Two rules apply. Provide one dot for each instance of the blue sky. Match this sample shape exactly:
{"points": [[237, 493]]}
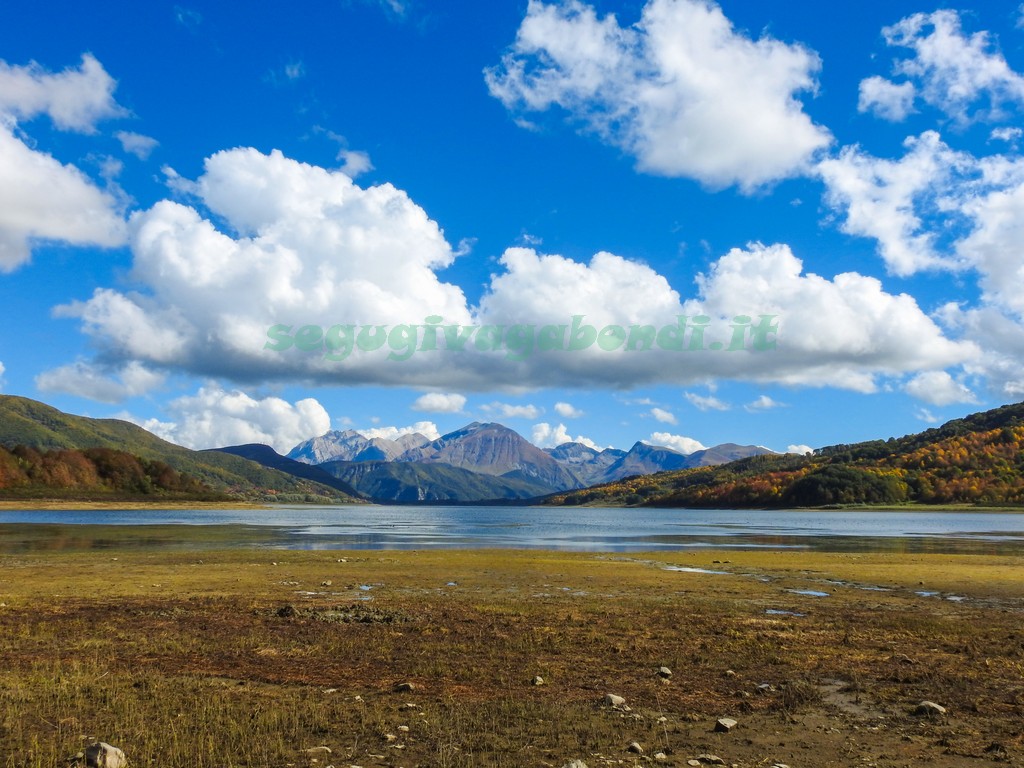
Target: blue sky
{"points": [[177, 179]]}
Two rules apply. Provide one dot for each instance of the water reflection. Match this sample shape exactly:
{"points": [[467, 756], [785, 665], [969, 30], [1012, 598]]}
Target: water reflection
{"points": [[591, 529]]}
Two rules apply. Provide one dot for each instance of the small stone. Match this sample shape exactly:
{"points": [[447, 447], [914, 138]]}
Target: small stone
{"points": [[101, 755], [664, 671], [780, 765], [390, 737], [404, 688], [326, 583], [635, 748], [710, 759], [330, 690], [725, 724], [660, 756], [613, 701], [730, 673], [538, 680], [695, 763], [403, 728], [575, 764], [318, 751], [929, 709]]}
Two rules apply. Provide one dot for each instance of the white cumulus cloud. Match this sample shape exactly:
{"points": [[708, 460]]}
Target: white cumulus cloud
{"points": [[567, 411], [310, 277], [762, 403], [888, 100], [801, 450], [682, 90], [955, 72], [545, 435], [939, 388], [511, 411], [426, 428], [75, 99], [137, 144], [665, 417], [309, 242], [706, 402], [41, 198], [842, 332], [685, 445], [440, 402], [107, 386], [354, 162], [888, 200], [215, 418]]}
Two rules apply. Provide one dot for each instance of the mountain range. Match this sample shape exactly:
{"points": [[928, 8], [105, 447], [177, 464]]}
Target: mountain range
{"points": [[486, 461], [976, 460], [479, 462]]}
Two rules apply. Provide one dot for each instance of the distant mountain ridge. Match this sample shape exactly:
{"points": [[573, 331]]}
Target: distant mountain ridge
{"points": [[516, 467], [349, 445]]}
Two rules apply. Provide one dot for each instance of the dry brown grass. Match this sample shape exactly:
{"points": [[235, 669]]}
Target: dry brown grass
{"points": [[187, 659]]}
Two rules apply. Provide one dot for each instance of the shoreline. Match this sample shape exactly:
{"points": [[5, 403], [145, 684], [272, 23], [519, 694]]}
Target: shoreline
{"points": [[58, 505], [52, 505]]}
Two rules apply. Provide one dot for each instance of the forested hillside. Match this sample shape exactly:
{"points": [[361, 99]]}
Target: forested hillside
{"points": [[975, 460]]}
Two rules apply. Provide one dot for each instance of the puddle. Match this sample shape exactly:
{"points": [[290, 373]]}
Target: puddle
{"points": [[956, 598], [838, 694], [777, 612], [809, 592], [684, 569], [927, 594]]}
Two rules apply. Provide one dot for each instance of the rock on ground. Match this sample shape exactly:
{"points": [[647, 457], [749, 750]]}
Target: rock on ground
{"points": [[929, 709], [725, 724], [102, 755]]}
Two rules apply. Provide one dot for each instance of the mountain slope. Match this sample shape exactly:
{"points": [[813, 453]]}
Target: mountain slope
{"points": [[975, 460], [415, 482], [94, 474], [268, 457], [349, 445], [493, 449], [42, 427], [589, 465]]}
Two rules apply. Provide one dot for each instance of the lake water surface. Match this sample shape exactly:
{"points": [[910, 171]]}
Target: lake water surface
{"points": [[464, 527]]}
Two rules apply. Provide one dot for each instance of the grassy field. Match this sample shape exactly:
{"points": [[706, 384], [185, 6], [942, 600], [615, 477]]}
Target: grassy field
{"points": [[252, 657]]}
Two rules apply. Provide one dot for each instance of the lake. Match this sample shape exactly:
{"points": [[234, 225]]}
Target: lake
{"points": [[559, 528]]}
